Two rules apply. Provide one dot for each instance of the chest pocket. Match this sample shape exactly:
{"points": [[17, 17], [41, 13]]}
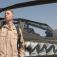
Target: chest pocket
{"points": [[3, 32], [14, 34]]}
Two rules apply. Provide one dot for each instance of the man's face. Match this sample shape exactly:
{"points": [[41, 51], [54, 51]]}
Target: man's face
{"points": [[8, 15]]}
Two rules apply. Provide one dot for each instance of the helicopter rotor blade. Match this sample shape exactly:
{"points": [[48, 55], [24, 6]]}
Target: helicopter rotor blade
{"points": [[30, 3]]}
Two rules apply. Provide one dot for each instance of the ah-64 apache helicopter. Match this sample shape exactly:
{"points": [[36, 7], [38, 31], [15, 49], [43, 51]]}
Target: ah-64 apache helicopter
{"points": [[42, 46]]}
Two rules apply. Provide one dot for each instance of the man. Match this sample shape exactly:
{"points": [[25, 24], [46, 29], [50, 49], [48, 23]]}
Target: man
{"points": [[9, 38]]}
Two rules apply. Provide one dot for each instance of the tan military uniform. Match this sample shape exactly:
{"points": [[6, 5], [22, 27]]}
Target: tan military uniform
{"points": [[8, 42]]}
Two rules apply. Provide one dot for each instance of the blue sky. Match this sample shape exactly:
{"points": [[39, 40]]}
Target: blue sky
{"points": [[41, 13]]}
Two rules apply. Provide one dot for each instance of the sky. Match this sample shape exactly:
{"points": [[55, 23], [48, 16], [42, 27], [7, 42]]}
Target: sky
{"points": [[41, 13]]}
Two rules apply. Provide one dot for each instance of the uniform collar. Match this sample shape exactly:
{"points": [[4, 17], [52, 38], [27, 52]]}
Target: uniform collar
{"points": [[12, 27]]}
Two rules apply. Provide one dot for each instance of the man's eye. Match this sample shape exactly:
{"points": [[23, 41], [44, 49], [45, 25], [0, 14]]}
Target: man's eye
{"points": [[8, 13]]}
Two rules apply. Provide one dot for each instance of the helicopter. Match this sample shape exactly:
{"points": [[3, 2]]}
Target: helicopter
{"points": [[43, 45]]}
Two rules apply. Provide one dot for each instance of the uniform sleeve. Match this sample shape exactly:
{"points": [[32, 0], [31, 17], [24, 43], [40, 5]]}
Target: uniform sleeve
{"points": [[21, 50]]}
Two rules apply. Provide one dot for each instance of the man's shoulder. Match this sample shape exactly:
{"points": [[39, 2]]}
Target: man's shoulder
{"points": [[3, 28]]}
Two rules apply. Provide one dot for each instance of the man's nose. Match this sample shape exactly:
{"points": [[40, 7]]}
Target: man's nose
{"points": [[5, 14]]}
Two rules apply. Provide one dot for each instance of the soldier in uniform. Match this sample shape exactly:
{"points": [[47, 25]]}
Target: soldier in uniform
{"points": [[9, 38]]}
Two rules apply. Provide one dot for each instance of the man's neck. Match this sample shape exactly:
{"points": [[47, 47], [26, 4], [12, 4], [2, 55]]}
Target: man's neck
{"points": [[9, 23]]}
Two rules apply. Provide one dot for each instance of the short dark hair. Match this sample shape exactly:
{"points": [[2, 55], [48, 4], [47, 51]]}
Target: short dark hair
{"points": [[9, 10]]}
